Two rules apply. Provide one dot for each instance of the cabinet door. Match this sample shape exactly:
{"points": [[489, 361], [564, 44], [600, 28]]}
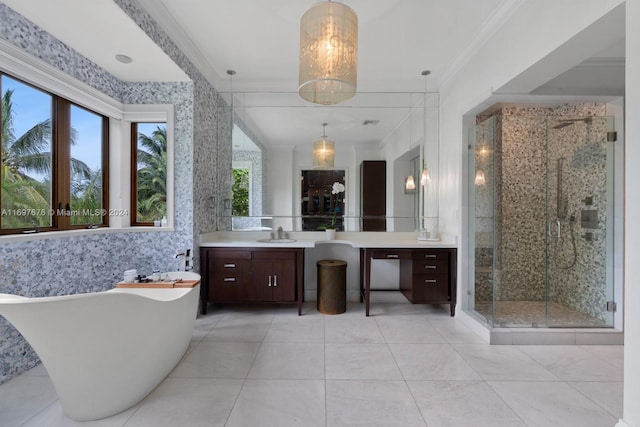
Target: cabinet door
{"points": [[373, 195], [284, 286], [261, 283], [273, 276]]}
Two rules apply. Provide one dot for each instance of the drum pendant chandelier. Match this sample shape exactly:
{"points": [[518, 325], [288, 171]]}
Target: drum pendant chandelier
{"points": [[323, 151], [328, 53]]}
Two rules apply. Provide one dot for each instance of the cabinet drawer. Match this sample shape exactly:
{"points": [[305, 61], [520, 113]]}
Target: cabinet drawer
{"points": [[223, 266], [434, 255], [391, 254], [229, 253], [229, 288], [430, 289], [431, 267]]}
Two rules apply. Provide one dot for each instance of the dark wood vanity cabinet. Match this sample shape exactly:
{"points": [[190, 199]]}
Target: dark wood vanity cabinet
{"points": [[428, 277], [248, 275], [373, 203]]}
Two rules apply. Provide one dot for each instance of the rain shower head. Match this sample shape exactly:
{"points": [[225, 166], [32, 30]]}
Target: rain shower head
{"points": [[568, 122]]}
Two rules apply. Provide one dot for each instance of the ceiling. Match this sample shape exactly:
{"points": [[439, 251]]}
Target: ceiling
{"points": [[398, 39]]}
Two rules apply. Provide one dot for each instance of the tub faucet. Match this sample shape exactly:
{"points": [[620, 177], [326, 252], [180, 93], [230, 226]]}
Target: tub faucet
{"points": [[187, 261], [181, 256]]}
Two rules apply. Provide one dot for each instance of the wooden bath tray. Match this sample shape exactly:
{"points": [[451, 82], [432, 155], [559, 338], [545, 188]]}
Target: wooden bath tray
{"points": [[170, 284]]}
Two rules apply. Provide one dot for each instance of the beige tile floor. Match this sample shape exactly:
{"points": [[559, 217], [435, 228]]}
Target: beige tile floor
{"points": [[406, 365]]}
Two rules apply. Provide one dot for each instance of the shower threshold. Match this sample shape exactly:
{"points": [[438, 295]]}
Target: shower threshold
{"points": [[533, 314], [523, 323]]}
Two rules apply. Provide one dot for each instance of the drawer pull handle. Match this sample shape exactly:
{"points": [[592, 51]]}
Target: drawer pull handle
{"points": [[229, 266], [269, 281], [430, 256], [393, 256], [429, 280], [275, 280], [432, 267], [229, 279]]}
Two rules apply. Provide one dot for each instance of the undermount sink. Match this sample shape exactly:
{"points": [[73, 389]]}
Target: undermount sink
{"points": [[276, 240]]}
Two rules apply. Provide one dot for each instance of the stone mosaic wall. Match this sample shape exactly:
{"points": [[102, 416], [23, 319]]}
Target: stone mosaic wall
{"points": [[516, 171], [60, 266], [211, 139]]}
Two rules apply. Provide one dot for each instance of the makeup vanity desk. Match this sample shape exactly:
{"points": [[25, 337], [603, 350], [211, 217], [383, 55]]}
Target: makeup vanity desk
{"points": [[427, 269]]}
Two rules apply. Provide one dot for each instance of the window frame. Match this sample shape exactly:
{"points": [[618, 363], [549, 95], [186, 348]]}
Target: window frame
{"points": [[16, 62], [246, 164], [60, 199], [133, 203], [149, 113]]}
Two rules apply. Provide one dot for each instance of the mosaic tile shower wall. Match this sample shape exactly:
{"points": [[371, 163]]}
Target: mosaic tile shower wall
{"points": [[512, 206]]}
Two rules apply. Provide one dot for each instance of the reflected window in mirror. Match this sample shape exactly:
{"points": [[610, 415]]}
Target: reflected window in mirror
{"points": [[247, 188], [240, 192]]}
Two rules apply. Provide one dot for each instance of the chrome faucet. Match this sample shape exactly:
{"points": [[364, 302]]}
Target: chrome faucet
{"points": [[184, 260], [280, 233]]}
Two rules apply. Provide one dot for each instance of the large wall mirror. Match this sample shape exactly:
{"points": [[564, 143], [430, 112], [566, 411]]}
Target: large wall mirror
{"points": [[271, 153]]}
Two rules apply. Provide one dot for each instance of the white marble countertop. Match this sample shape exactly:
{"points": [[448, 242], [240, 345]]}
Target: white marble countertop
{"points": [[310, 239]]}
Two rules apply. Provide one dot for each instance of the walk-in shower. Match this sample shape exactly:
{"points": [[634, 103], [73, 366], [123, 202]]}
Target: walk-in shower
{"points": [[541, 240]]}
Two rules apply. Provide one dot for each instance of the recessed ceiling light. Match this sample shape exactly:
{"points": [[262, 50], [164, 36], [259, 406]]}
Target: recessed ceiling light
{"points": [[124, 59]]}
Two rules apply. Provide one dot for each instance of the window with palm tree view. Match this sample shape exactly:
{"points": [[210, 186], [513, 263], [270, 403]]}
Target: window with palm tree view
{"points": [[149, 172], [53, 162]]}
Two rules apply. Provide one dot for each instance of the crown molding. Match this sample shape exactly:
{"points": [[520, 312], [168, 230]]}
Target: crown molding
{"points": [[159, 12], [489, 28]]}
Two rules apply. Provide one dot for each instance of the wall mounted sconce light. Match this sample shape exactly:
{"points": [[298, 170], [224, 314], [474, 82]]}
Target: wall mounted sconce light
{"points": [[425, 177], [323, 151], [409, 185], [328, 53]]}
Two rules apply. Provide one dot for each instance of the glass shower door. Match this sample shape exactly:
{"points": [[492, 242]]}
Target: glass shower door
{"points": [[482, 226], [579, 213]]}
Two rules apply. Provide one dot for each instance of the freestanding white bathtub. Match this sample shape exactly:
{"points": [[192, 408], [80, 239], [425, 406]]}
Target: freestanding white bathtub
{"points": [[106, 351]]}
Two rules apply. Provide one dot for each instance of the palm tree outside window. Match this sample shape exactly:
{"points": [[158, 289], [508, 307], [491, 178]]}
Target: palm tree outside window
{"points": [[149, 173], [53, 164]]}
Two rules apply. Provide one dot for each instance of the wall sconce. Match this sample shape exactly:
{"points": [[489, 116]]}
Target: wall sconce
{"points": [[480, 179], [409, 185], [328, 53], [323, 151], [425, 177]]}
